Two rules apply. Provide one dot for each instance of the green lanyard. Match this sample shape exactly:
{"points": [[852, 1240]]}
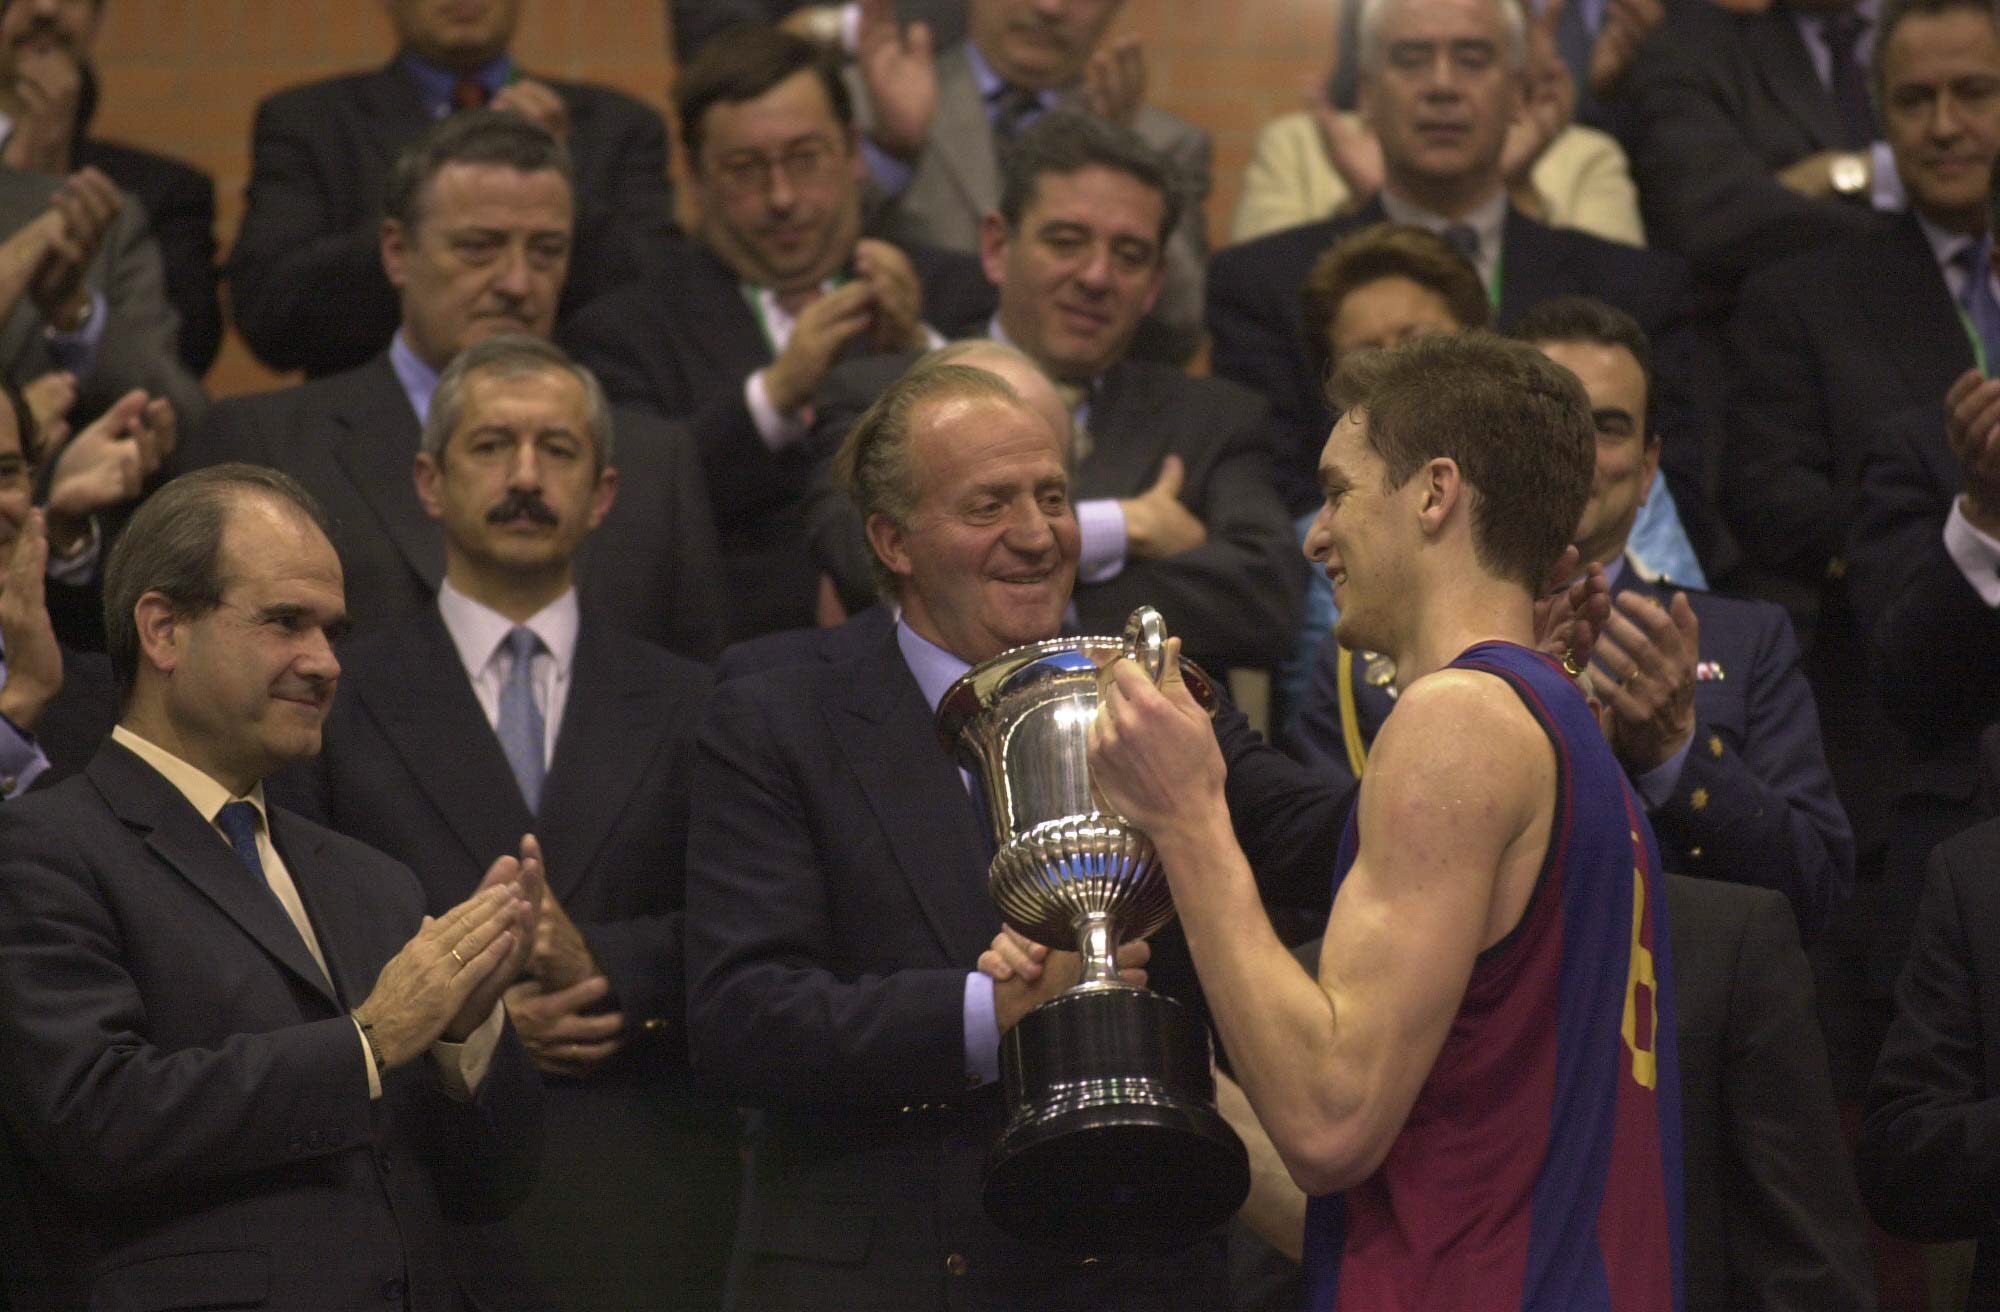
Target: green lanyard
{"points": [[1493, 291], [1972, 336]]}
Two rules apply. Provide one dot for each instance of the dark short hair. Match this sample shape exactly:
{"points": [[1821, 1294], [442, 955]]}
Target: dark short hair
{"points": [[472, 136], [513, 355], [1516, 423], [743, 62], [873, 465], [1587, 319], [1893, 14], [173, 546], [1388, 250], [1064, 141]]}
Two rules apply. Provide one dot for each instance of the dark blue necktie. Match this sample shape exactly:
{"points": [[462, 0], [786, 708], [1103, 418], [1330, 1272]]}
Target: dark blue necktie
{"points": [[1981, 307], [1847, 79], [239, 821]]}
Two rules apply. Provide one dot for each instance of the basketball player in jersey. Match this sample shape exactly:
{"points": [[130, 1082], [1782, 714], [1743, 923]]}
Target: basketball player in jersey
{"points": [[1480, 1089]]}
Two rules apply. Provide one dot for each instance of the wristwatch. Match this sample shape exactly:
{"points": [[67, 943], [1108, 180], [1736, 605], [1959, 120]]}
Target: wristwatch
{"points": [[1849, 174]]}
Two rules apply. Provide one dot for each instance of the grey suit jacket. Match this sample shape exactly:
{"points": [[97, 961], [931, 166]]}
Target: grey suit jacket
{"points": [[140, 346], [957, 184], [351, 440]]}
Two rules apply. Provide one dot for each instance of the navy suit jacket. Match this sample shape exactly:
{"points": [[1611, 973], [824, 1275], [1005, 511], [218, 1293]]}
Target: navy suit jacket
{"points": [[836, 900], [1825, 348], [1754, 803], [637, 1195], [682, 343], [186, 1098], [1258, 328], [352, 440], [1725, 100], [306, 284]]}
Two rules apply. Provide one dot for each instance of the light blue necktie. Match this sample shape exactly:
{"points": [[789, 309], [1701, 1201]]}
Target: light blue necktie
{"points": [[522, 734]]}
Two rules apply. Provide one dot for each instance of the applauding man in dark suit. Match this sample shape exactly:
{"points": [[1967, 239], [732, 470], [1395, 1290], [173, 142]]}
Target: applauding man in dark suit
{"points": [[509, 705], [239, 1064], [736, 330], [305, 286]]}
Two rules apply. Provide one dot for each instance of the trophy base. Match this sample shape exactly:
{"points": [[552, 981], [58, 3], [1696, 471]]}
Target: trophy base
{"points": [[1113, 1143]]}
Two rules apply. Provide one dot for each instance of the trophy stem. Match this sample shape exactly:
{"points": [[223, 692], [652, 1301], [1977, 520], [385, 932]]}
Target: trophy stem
{"points": [[1098, 946]]}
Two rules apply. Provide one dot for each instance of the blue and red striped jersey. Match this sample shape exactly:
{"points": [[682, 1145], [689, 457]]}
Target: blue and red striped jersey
{"points": [[1540, 1167]]}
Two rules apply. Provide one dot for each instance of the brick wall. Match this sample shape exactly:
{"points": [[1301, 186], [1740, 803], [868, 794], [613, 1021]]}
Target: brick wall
{"points": [[184, 76]]}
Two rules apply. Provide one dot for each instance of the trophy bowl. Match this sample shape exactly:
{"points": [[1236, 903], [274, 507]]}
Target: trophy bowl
{"points": [[1112, 1141]]}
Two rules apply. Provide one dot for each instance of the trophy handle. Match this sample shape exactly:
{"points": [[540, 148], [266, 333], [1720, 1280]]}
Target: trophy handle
{"points": [[1146, 641]]}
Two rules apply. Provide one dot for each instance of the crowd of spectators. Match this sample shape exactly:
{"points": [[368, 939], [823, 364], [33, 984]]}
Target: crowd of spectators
{"points": [[632, 555]]}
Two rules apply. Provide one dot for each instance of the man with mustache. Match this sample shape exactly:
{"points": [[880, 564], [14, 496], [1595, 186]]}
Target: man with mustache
{"points": [[477, 242], [240, 1064], [48, 97], [513, 703]]}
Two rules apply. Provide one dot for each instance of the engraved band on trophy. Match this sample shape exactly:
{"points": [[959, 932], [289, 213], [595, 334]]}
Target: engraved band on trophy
{"points": [[1112, 1140]]}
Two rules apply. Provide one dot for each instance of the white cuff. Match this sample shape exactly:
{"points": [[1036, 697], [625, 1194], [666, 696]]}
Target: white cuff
{"points": [[1976, 554], [777, 431], [462, 1066]]}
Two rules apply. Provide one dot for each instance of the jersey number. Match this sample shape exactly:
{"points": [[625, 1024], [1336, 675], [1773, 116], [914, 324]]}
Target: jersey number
{"points": [[1639, 974]]}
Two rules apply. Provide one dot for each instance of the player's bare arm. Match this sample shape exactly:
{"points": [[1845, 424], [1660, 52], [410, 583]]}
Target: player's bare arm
{"points": [[1454, 816]]}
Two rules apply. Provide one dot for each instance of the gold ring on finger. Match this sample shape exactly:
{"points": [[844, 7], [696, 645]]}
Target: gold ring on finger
{"points": [[1571, 665], [460, 960]]}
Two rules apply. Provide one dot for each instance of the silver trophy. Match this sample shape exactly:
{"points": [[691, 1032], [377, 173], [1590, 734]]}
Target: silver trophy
{"points": [[1112, 1140]]}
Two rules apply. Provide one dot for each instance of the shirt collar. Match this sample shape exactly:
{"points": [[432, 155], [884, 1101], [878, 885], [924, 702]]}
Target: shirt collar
{"points": [[477, 630], [203, 792], [419, 380], [990, 83], [935, 668], [1488, 219], [434, 84]]}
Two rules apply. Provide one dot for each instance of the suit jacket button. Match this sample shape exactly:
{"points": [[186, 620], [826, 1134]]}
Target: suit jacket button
{"points": [[392, 1290], [956, 1264], [296, 1146], [7, 782], [385, 1160]]}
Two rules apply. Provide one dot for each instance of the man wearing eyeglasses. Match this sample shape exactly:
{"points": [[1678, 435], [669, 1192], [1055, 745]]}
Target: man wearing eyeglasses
{"points": [[735, 330]]}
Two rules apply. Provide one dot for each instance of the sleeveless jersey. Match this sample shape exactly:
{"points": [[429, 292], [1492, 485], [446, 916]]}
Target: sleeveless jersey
{"points": [[1540, 1167]]}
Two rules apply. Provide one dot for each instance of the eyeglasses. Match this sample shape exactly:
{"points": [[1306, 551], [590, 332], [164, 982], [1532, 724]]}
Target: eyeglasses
{"points": [[808, 164]]}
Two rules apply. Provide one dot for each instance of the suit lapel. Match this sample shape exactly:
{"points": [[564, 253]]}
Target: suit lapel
{"points": [[336, 917], [375, 449], [716, 323], [175, 833], [426, 708], [1782, 61], [612, 725], [1911, 304], [884, 729], [1127, 440], [971, 161]]}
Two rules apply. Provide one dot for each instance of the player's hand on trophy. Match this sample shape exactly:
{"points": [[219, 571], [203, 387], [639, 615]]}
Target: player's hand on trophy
{"points": [[1026, 974], [1153, 753]]}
